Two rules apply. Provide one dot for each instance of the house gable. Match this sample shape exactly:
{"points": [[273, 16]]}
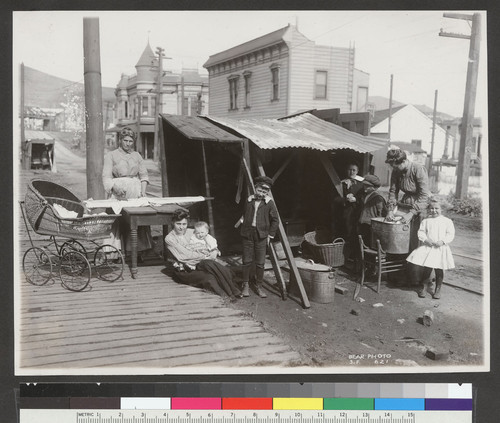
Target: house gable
{"points": [[408, 124]]}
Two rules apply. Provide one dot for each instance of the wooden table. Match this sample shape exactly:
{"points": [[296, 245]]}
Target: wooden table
{"points": [[145, 216]]}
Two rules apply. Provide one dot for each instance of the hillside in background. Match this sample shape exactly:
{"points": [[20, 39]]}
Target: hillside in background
{"points": [[48, 91], [382, 103]]}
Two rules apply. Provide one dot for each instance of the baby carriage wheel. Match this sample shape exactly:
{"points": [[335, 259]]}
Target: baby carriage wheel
{"points": [[74, 271], [72, 245], [108, 263], [37, 266]]}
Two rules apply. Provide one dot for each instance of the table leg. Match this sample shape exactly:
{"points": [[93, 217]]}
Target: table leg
{"points": [[133, 246]]}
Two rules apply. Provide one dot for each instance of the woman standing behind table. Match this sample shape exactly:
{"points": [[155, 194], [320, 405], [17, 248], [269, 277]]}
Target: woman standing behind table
{"points": [[197, 268], [411, 179], [124, 176]]}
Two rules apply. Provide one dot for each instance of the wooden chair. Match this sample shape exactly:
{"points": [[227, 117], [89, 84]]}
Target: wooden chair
{"points": [[378, 260]]}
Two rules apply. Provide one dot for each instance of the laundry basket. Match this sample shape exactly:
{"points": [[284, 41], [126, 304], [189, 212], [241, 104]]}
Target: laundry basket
{"points": [[324, 251]]}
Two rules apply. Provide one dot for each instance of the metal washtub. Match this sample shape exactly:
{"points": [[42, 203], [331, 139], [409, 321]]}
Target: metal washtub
{"points": [[394, 237]]}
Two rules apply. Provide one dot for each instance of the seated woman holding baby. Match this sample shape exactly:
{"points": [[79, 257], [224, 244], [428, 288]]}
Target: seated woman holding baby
{"points": [[195, 252]]}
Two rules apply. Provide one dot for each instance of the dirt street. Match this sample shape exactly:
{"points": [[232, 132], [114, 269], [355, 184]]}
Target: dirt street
{"points": [[385, 329]]}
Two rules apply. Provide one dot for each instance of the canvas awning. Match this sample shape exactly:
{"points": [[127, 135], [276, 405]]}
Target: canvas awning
{"points": [[197, 128], [302, 131]]}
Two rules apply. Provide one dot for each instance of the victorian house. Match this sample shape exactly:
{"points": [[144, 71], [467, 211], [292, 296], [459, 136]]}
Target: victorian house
{"points": [[184, 93]]}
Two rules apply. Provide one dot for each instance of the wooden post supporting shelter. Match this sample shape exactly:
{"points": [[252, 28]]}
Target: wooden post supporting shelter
{"points": [[208, 195], [286, 247], [273, 255], [163, 159], [332, 173], [93, 108], [163, 172]]}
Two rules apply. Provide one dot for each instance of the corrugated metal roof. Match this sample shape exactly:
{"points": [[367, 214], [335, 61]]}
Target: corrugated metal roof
{"points": [[248, 47], [37, 135], [196, 128], [303, 131]]}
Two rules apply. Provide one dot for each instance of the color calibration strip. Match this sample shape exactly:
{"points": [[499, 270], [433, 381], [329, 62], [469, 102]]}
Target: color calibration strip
{"points": [[294, 397], [297, 404]]}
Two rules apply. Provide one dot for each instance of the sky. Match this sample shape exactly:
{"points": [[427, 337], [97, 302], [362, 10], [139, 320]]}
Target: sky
{"points": [[405, 44]]}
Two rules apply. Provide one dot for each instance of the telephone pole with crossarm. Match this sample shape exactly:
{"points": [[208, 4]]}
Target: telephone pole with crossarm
{"points": [[464, 153]]}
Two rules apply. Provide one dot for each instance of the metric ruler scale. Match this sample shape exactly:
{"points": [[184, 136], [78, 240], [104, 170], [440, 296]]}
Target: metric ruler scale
{"points": [[243, 416]]}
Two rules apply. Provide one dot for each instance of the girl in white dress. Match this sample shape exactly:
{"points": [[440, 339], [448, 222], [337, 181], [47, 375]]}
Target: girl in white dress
{"points": [[434, 234]]}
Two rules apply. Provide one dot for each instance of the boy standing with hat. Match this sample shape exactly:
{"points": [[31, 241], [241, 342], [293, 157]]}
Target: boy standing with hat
{"points": [[259, 224]]}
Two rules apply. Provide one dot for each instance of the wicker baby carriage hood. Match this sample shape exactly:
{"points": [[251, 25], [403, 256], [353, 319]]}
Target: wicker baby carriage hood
{"points": [[42, 195]]}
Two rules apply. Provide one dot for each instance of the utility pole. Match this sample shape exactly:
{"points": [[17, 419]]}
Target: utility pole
{"points": [[465, 148], [93, 108], [431, 158], [390, 111], [156, 153]]}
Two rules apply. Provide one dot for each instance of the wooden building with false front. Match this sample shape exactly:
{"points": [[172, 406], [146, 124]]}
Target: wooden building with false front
{"points": [[282, 73]]}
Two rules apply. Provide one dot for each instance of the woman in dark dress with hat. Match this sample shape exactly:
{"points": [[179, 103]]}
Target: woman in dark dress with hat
{"points": [[411, 179]]}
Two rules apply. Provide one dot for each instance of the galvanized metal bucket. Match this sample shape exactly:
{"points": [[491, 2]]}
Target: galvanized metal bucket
{"points": [[318, 280]]}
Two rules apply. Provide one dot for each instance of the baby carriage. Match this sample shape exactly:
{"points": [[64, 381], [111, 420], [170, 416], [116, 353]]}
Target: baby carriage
{"points": [[54, 210]]}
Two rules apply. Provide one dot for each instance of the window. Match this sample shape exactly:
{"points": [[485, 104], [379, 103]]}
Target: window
{"points": [[246, 76], [145, 106], [153, 107], [125, 109], [320, 84], [275, 82], [362, 99], [418, 143], [233, 92], [185, 107]]}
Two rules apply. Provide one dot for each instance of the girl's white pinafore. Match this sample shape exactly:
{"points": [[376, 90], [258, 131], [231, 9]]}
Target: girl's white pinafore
{"points": [[434, 229]]}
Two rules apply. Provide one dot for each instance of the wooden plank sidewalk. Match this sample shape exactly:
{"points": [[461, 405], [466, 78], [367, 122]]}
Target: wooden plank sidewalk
{"points": [[150, 324], [147, 323]]}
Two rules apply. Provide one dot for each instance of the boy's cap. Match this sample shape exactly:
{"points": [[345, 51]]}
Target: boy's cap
{"points": [[264, 181], [372, 180]]}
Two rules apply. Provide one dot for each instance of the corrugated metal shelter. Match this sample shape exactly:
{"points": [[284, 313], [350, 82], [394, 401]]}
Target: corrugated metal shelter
{"points": [[304, 155], [301, 131]]}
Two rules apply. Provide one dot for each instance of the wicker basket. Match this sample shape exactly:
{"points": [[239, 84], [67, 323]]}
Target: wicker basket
{"points": [[329, 253], [44, 219]]}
